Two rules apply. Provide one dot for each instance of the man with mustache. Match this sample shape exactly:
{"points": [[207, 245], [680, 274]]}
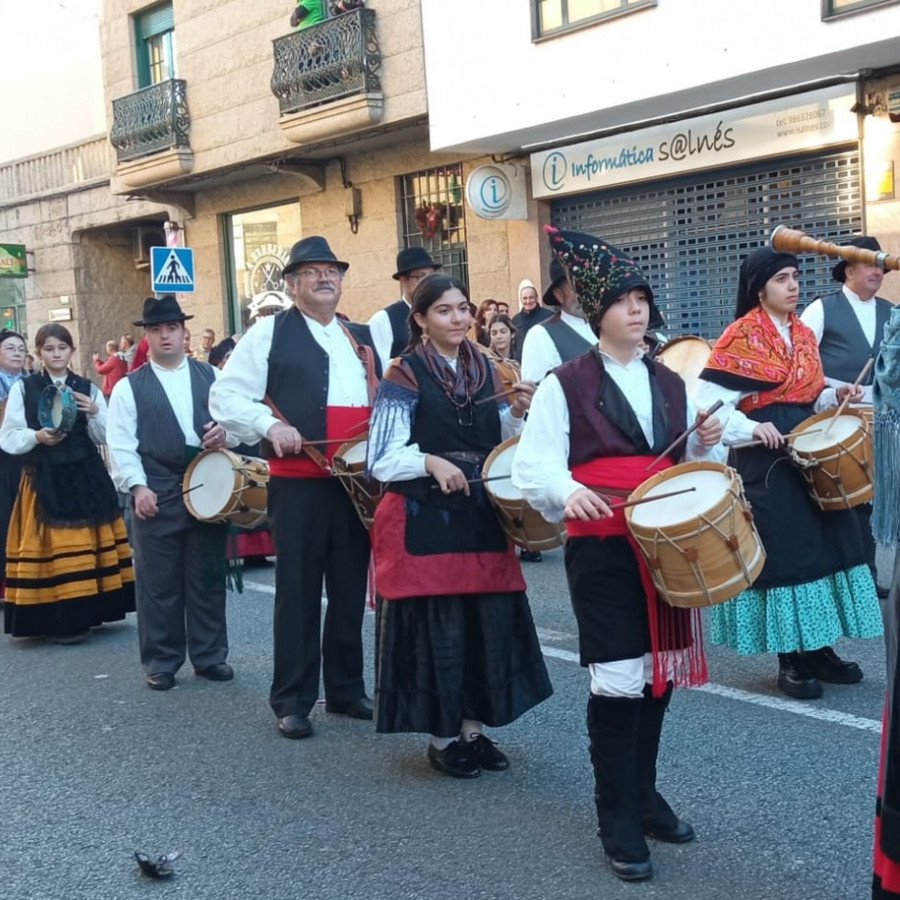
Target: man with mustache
{"points": [[299, 377]]}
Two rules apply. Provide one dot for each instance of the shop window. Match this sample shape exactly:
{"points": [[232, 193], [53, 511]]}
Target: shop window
{"points": [[555, 16], [833, 8], [154, 31], [433, 217], [258, 244]]}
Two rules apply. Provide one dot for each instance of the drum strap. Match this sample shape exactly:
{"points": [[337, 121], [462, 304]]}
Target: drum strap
{"points": [[306, 448], [367, 358]]}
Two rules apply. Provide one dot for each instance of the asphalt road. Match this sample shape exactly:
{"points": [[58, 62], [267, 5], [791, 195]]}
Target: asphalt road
{"points": [[96, 766]]}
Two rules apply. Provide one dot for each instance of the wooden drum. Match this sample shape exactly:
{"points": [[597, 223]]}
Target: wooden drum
{"points": [[835, 457], [702, 547], [349, 464], [224, 487]]}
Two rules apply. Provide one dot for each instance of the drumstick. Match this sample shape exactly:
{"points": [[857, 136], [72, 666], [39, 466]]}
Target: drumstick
{"points": [[497, 396], [862, 374], [176, 496], [479, 480], [626, 503], [788, 437], [714, 408]]}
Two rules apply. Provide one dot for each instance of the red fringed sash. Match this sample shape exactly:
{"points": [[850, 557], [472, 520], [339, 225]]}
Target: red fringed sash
{"points": [[752, 348], [668, 625]]}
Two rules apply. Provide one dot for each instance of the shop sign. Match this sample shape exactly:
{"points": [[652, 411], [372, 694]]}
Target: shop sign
{"points": [[12, 261], [775, 128], [497, 192]]}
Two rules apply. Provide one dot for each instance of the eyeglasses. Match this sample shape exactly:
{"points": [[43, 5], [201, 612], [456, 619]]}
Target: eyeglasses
{"points": [[330, 273]]}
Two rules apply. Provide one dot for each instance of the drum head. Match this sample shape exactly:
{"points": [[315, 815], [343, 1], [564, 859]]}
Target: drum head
{"points": [[710, 486], [838, 430], [686, 355], [211, 484], [355, 454], [501, 465]]}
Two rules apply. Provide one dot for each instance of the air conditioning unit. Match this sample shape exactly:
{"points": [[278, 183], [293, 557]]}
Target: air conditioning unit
{"points": [[143, 238]]}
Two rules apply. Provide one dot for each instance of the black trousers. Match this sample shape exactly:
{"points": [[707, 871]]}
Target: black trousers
{"points": [[319, 540]]}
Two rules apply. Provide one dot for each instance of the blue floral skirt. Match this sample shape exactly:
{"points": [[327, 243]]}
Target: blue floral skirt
{"points": [[799, 617]]}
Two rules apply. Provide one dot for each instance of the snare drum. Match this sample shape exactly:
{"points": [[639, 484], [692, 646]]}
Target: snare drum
{"points": [[701, 547], [225, 487], [523, 524], [349, 464], [835, 457], [686, 355]]}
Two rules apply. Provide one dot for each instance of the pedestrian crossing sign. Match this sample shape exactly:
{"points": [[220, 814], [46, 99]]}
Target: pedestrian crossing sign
{"points": [[173, 270]]}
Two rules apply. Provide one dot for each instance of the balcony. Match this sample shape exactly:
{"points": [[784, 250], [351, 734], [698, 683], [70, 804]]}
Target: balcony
{"points": [[326, 78], [150, 134]]}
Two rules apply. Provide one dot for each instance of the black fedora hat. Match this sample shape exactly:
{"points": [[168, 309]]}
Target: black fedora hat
{"points": [[313, 249], [838, 273], [410, 258], [161, 309], [557, 277]]}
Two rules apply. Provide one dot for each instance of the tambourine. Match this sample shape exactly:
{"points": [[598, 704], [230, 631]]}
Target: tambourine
{"points": [[57, 408]]}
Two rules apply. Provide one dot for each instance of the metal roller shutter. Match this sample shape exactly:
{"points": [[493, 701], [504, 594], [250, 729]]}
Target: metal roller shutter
{"points": [[691, 233]]}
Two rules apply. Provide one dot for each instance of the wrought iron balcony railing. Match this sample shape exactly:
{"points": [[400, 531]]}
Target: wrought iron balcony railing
{"points": [[338, 58], [152, 119]]}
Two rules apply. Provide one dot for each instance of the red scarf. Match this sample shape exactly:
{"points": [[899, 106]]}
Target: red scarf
{"points": [[752, 349]]}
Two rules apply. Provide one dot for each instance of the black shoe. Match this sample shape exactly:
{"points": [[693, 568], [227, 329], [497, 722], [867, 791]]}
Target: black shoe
{"points": [[530, 555], [681, 833], [631, 871], [486, 754], [295, 727], [456, 760], [216, 672], [827, 666], [795, 679], [360, 708], [880, 591], [161, 681]]}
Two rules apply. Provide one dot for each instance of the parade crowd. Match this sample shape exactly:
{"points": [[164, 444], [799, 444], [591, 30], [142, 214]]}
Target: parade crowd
{"points": [[427, 391]]}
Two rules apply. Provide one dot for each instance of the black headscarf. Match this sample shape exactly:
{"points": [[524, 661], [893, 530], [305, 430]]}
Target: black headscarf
{"points": [[756, 269]]}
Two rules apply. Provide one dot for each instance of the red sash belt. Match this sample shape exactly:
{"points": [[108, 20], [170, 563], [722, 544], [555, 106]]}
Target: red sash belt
{"points": [[341, 422], [619, 475]]}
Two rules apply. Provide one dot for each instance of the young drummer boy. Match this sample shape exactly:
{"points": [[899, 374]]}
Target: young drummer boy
{"points": [[595, 425]]}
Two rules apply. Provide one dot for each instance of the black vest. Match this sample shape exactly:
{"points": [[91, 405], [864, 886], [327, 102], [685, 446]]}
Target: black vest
{"points": [[161, 442], [70, 479], [568, 342], [298, 372], [844, 348], [601, 420], [398, 316], [451, 523]]}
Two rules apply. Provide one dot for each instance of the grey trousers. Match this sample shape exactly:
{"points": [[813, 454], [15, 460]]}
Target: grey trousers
{"points": [[180, 591]]}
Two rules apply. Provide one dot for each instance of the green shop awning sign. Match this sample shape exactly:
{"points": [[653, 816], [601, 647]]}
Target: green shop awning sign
{"points": [[12, 261]]}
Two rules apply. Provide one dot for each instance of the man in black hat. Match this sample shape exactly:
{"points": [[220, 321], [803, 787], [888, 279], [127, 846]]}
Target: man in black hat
{"points": [[297, 378], [604, 418], [158, 421], [849, 325], [558, 339], [390, 326]]}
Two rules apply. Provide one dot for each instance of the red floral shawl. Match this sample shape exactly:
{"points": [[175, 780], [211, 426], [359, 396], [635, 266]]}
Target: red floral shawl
{"points": [[752, 356]]}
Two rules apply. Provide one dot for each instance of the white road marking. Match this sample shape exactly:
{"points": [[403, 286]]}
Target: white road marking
{"points": [[848, 720]]}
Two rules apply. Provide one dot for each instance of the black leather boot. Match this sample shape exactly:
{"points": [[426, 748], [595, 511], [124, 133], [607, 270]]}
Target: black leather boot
{"points": [[795, 679], [613, 725], [657, 817], [826, 665]]}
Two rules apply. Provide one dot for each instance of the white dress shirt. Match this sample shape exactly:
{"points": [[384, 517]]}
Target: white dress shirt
{"points": [[127, 468], [738, 428], [539, 353], [236, 399], [383, 334], [866, 312], [541, 465], [402, 461], [15, 435]]}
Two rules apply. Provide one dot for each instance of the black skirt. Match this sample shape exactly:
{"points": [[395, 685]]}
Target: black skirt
{"points": [[440, 660]]}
